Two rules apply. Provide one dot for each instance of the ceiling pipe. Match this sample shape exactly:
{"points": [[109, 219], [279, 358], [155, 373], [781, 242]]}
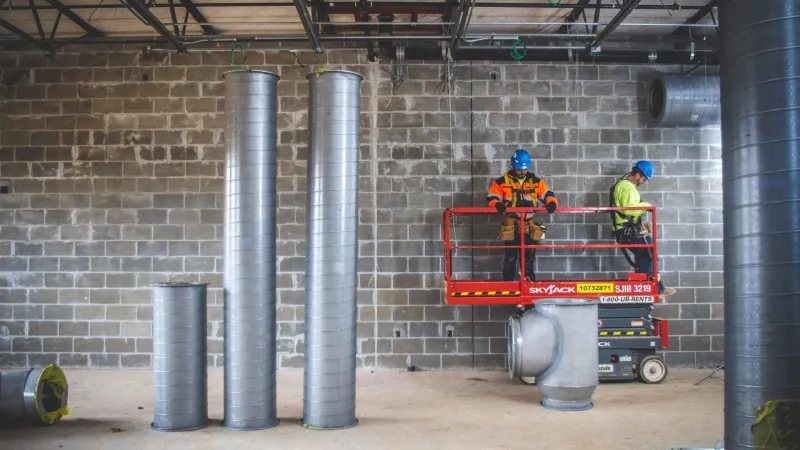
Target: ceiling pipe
{"points": [[759, 71]]}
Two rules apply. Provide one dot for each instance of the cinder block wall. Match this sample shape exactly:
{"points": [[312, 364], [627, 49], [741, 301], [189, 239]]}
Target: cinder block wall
{"points": [[115, 161]]}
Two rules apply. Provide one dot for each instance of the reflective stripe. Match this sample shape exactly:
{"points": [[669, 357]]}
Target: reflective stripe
{"points": [[487, 293]]}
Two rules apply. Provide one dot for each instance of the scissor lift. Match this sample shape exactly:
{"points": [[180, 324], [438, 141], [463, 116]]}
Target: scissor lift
{"points": [[628, 336]]}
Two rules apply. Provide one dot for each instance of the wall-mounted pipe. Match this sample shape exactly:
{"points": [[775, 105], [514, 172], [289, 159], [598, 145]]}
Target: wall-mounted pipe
{"points": [[759, 72], [557, 343], [684, 101], [180, 374], [249, 256], [332, 250], [33, 396]]}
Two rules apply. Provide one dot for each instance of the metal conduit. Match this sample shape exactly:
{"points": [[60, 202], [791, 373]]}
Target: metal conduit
{"points": [[249, 257], [180, 368], [760, 85], [332, 250], [684, 101]]}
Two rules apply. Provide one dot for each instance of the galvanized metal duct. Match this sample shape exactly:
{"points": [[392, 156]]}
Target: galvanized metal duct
{"points": [[180, 374], [332, 249], [249, 256], [759, 70], [33, 396], [557, 343], [684, 101]]}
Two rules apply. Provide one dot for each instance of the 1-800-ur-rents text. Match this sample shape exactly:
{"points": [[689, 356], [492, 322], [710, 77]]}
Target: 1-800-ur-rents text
{"points": [[554, 289]]}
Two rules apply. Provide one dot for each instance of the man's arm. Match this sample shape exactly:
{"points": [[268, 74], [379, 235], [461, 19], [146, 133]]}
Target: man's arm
{"points": [[546, 196], [495, 195]]}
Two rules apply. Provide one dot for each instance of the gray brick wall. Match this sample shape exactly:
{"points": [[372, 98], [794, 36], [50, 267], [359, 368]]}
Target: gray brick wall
{"points": [[115, 161]]}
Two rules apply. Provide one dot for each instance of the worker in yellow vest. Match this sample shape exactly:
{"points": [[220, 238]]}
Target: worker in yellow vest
{"points": [[519, 188], [627, 226]]}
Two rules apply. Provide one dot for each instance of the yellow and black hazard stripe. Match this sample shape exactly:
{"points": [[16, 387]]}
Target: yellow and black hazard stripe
{"points": [[624, 333], [485, 294]]}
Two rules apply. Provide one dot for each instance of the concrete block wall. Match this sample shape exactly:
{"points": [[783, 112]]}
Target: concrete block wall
{"points": [[115, 163]]}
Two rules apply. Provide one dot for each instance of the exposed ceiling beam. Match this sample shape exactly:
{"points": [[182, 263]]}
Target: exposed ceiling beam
{"points": [[25, 36], [302, 11], [76, 19], [623, 13], [198, 17], [573, 15], [696, 17], [139, 8]]}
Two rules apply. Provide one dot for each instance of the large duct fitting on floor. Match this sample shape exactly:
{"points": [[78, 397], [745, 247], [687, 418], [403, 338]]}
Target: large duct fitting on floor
{"points": [[329, 396], [249, 255], [180, 367], [684, 101], [33, 396], [759, 71], [557, 343]]}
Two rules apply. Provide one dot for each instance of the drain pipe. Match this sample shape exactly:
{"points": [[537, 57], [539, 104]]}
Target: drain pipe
{"points": [[329, 396], [557, 343], [249, 259], [759, 74]]}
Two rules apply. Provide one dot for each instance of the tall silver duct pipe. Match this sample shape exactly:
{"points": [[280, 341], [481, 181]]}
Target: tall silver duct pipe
{"points": [[180, 367], [329, 395], [557, 343], [684, 101], [760, 74], [33, 396], [249, 273]]}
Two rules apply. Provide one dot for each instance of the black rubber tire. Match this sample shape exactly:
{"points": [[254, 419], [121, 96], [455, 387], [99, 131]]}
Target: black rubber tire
{"points": [[651, 370]]}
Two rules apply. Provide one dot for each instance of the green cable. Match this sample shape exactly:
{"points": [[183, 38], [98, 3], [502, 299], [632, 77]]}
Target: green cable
{"points": [[554, 2], [515, 51], [233, 55]]}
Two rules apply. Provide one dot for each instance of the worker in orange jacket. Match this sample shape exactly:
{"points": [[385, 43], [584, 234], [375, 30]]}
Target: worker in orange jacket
{"points": [[519, 188]]}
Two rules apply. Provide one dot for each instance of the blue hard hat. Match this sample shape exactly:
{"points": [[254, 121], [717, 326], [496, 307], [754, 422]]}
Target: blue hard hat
{"points": [[521, 160], [646, 167]]}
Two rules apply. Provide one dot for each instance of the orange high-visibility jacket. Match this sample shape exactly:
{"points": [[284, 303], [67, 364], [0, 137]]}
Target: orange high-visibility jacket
{"points": [[509, 190]]}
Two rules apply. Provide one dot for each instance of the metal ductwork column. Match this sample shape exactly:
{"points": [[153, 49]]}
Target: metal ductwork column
{"points": [[33, 396], [180, 366], [249, 258], [684, 101], [329, 395], [557, 343], [760, 83]]}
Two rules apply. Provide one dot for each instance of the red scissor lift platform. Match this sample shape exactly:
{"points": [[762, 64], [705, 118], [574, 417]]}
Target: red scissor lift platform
{"points": [[628, 335]]}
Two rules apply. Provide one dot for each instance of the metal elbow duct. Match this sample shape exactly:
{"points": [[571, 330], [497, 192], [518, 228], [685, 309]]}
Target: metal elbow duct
{"points": [[759, 71], [249, 256], [557, 343], [684, 101], [332, 250]]}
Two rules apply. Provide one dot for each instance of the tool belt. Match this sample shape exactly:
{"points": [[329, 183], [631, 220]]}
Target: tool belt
{"points": [[508, 229]]}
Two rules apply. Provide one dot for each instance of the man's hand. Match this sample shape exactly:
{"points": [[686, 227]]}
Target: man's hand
{"points": [[551, 207], [500, 207]]}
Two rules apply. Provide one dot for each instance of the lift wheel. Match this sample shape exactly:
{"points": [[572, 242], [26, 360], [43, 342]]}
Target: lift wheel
{"points": [[652, 369]]}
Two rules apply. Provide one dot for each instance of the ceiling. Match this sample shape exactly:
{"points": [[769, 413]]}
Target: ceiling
{"points": [[424, 25]]}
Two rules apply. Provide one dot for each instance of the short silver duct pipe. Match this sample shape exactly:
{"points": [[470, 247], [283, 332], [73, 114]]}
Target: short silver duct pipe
{"points": [[180, 365], [332, 250], [557, 343], [760, 82], [249, 249], [684, 101], [33, 396]]}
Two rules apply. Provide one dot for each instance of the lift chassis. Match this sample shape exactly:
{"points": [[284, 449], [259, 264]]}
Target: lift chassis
{"points": [[628, 336]]}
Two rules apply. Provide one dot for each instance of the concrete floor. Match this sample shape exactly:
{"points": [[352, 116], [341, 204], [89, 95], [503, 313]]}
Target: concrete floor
{"points": [[420, 410]]}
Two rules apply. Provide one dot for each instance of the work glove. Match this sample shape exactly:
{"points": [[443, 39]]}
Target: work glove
{"points": [[500, 207], [551, 207]]}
